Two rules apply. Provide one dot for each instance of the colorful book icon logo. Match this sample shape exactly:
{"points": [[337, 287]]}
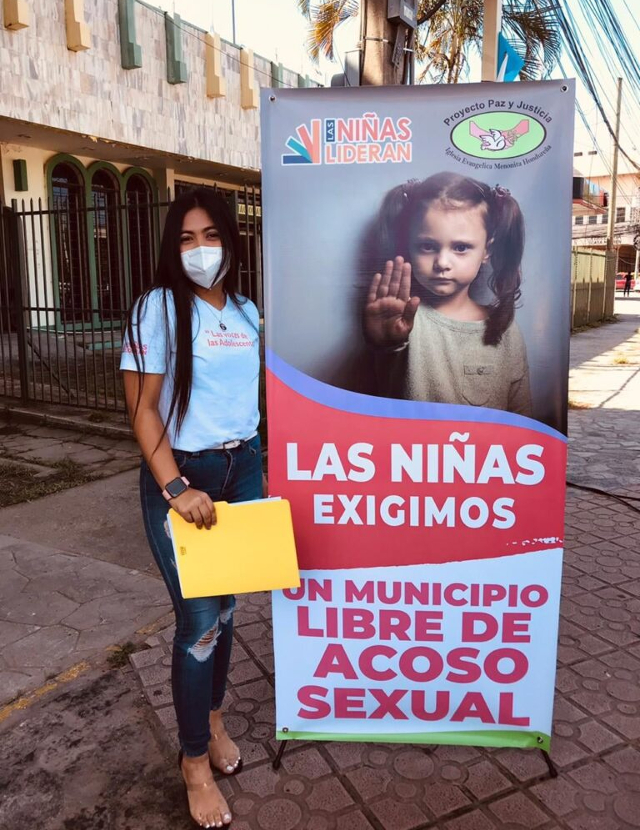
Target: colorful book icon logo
{"points": [[306, 145]]}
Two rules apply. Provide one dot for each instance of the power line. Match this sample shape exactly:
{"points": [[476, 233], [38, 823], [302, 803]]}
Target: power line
{"points": [[575, 43]]}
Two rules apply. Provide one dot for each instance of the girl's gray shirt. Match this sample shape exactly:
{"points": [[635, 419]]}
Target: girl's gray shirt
{"points": [[447, 362]]}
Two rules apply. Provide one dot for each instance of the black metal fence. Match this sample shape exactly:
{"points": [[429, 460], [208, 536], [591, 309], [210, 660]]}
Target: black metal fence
{"points": [[68, 274]]}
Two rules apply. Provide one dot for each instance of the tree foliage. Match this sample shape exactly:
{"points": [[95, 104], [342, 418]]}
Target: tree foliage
{"points": [[449, 31]]}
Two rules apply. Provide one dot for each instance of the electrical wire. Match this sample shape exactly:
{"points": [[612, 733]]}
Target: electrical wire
{"points": [[605, 30], [622, 499]]}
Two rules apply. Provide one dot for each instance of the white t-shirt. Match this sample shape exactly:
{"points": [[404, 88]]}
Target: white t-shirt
{"points": [[226, 366]]}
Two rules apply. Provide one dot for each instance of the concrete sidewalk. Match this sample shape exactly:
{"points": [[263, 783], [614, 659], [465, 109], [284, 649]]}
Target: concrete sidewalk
{"points": [[77, 576], [96, 752]]}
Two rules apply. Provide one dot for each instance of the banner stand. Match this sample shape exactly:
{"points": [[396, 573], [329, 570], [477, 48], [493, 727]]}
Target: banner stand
{"points": [[553, 770], [416, 376]]}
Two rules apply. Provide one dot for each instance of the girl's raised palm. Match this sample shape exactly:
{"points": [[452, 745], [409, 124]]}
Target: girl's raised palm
{"points": [[390, 310]]}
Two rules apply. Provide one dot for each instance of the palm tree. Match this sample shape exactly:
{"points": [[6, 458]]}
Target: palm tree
{"points": [[448, 31]]}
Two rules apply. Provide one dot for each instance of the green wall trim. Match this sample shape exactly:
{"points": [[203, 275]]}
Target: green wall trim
{"points": [[481, 737], [277, 75], [86, 175], [20, 177], [130, 50], [176, 67]]}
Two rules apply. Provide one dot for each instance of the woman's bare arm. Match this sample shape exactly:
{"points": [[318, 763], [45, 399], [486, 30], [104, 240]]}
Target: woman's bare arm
{"points": [[142, 394]]}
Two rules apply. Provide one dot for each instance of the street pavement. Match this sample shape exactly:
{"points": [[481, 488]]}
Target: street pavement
{"points": [[95, 747]]}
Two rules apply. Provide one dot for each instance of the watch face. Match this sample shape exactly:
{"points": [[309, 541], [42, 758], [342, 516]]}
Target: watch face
{"points": [[175, 487]]}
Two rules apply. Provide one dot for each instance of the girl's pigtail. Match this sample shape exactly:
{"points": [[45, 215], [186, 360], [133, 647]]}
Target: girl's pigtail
{"points": [[507, 247], [392, 227]]}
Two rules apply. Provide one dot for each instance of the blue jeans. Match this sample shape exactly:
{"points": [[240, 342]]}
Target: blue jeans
{"points": [[204, 627]]}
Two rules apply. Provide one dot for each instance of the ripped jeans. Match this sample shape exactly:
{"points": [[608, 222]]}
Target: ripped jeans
{"points": [[204, 627]]}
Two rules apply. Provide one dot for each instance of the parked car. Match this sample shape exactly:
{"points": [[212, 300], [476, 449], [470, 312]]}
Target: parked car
{"points": [[620, 280]]}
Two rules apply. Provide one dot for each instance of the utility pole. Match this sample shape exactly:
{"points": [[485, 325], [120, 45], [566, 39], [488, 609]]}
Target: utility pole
{"points": [[614, 174], [380, 39], [233, 20], [387, 44], [491, 25]]}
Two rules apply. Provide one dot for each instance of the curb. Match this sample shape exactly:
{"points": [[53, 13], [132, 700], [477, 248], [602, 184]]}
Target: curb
{"points": [[27, 416]]}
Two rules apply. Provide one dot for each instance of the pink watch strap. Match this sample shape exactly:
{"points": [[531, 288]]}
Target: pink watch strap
{"points": [[167, 495]]}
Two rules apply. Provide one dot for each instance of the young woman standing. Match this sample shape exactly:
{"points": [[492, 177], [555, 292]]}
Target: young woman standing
{"points": [[191, 372]]}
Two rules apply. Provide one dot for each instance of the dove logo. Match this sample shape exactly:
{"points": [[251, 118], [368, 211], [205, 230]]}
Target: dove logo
{"points": [[498, 135]]}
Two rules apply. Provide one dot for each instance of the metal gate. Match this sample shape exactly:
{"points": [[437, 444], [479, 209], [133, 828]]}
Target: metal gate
{"points": [[69, 273]]}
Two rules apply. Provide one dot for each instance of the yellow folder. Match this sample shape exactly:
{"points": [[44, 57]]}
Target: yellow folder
{"points": [[250, 548]]}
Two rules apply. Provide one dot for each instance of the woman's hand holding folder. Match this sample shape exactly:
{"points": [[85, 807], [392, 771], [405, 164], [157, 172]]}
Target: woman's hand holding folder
{"points": [[196, 507]]}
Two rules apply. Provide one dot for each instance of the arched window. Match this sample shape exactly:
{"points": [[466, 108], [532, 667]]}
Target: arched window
{"points": [[105, 192], [70, 240], [140, 228]]}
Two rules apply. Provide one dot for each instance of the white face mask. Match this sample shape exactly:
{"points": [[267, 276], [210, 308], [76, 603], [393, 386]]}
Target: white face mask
{"points": [[203, 265]]}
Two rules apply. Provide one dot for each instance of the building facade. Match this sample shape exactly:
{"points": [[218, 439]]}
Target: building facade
{"points": [[591, 214], [123, 83], [108, 109]]}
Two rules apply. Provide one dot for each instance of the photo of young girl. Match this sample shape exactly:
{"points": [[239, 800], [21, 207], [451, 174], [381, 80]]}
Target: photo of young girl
{"points": [[438, 318]]}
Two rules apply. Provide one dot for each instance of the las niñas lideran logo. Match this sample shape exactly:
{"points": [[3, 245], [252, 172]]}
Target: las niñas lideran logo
{"points": [[368, 139]]}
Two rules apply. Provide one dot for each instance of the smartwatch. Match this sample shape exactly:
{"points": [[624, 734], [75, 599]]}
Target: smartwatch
{"points": [[175, 487]]}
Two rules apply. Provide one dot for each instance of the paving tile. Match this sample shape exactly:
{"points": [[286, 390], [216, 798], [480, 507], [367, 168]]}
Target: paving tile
{"points": [[413, 764], [442, 798], [243, 672], [594, 775], [252, 751], [347, 754], [475, 820], [353, 821], [308, 763], [159, 696], [518, 810], [279, 814], [627, 808], [261, 690], [595, 702], [559, 795], [584, 821], [153, 675], [148, 657], [564, 711], [167, 717], [329, 795], [627, 726], [565, 752], [485, 780], [624, 760], [262, 781], [253, 631], [369, 781], [394, 815], [525, 765], [596, 737]]}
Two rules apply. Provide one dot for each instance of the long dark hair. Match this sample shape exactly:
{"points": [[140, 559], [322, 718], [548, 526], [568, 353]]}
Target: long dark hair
{"points": [[170, 277], [503, 222]]}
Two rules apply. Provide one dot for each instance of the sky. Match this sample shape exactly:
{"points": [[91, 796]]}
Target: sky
{"points": [[276, 30]]}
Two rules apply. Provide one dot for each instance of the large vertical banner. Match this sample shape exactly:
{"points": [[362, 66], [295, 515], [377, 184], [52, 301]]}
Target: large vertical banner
{"points": [[417, 260]]}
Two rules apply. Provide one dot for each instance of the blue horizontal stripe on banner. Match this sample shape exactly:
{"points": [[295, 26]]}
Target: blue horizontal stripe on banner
{"points": [[295, 160], [359, 404]]}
